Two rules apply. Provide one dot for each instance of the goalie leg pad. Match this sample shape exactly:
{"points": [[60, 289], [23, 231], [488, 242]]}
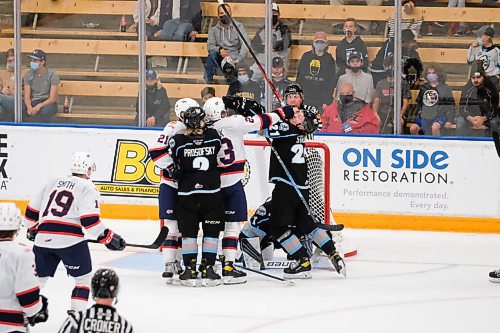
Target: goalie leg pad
{"points": [[252, 252], [230, 240], [81, 292]]}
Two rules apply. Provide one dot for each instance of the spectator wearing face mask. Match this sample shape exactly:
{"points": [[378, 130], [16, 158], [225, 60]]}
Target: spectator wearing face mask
{"points": [[484, 50], [7, 88], [40, 90], [316, 73], [348, 114], [351, 43], [224, 41], [478, 105], [435, 104], [281, 43], [244, 87], [279, 80], [361, 81], [157, 103]]}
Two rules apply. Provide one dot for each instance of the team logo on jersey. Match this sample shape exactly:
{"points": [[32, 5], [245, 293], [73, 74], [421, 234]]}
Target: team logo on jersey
{"points": [[283, 127], [431, 97], [486, 61]]}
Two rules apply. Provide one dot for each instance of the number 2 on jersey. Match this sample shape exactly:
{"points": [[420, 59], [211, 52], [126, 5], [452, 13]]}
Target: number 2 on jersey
{"points": [[298, 150], [63, 201]]}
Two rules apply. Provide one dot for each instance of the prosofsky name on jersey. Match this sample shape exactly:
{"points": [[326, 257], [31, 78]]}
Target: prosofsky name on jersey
{"points": [[399, 166], [134, 173], [203, 151]]}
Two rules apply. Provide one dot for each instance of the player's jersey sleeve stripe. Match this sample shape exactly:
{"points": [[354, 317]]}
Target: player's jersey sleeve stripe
{"points": [[29, 298], [89, 221], [158, 153], [32, 214], [11, 318]]}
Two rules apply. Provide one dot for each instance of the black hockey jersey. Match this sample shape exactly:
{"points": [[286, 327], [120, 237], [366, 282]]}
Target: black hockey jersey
{"points": [[98, 318], [197, 158], [289, 141]]}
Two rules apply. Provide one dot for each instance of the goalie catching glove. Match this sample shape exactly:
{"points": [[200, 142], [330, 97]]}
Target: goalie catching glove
{"points": [[243, 106]]}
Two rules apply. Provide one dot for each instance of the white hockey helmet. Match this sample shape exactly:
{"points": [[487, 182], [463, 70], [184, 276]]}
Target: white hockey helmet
{"points": [[183, 104], [82, 164], [213, 108], [10, 216]]}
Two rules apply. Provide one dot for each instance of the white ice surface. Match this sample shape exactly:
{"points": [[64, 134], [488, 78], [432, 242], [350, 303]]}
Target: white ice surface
{"points": [[398, 282]]}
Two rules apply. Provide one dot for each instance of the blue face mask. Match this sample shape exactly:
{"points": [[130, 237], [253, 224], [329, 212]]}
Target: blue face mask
{"points": [[34, 65], [243, 78], [319, 47]]}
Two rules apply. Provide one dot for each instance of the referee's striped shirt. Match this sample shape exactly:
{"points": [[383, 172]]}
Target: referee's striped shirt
{"points": [[97, 319]]}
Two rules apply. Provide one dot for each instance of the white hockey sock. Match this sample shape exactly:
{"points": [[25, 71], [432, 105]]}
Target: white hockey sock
{"points": [[81, 292]]}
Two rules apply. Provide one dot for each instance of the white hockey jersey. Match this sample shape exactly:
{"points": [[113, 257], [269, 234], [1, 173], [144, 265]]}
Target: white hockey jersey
{"points": [[19, 290], [233, 129], [159, 150], [62, 210]]}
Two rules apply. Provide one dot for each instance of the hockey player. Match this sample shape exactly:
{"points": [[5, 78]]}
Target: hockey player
{"points": [[102, 316], [195, 153], [288, 208], [233, 128], [55, 219], [20, 300], [167, 198]]}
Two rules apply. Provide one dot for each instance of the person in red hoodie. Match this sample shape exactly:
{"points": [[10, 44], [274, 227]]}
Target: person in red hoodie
{"points": [[349, 115]]}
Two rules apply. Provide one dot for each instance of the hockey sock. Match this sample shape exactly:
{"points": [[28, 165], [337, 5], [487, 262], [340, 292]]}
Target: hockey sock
{"points": [[230, 240], [322, 240], [292, 246], [209, 251], [189, 250], [170, 245], [81, 292]]}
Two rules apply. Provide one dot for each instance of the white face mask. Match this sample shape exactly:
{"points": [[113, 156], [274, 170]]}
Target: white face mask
{"points": [[10, 66]]}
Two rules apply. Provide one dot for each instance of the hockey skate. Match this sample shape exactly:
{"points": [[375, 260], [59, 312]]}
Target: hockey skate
{"points": [[338, 263], [495, 276], [300, 269], [188, 276], [171, 269], [230, 274], [209, 278]]}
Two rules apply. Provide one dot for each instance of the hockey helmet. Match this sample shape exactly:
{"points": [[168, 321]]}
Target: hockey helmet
{"points": [[182, 105], [193, 117], [105, 283], [294, 88], [10, 216], [213, 109], [312, 122], [82, 164]]}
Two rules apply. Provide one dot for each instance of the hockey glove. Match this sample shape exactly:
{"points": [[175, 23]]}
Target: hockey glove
{"points": [[174, 172], [285, 112], [243, 106], [112, 241], [31, 234], [42, 315]]}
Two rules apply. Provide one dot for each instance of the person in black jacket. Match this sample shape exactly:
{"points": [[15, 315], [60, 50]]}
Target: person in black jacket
{"points": [[316, 73], [282, 43], [478, 105], [157, 103], [244, 87], [179, 20]]}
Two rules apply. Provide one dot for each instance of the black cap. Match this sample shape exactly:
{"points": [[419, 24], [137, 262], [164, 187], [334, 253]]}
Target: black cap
{"points": [[490, 32], [278, 62], [38, 55], [294, 88], [477, 68], [355, 55], [407, 35]]}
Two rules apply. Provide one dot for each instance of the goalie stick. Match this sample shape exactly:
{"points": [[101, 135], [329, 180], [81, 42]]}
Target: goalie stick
{"points": [[284, 281], [155, 245]]}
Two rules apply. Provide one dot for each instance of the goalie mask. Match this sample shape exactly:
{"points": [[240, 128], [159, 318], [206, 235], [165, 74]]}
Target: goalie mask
{"points": [[213, 109], [312, 122], [182, 105], [193, 118]]}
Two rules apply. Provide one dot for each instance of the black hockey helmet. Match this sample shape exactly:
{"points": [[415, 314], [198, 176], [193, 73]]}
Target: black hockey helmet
{"points": [[294, 88], [105, 283], [312, 121], [193, 117]]}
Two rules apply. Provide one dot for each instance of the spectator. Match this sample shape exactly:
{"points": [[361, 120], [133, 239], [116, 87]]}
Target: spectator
{"points": [[349, 114], [7, 88], [157, 103], [224, 41], [350, 43], [207, 93], [316, 73], [361, 81], [483, 49], [478, 105], [412, 65], [280, 81], [383, 103], [435, 104], [152, 18], [372, 27], [456, 28], [282, 43], [244, 87], [179, 20], [40, 89], [414, 24]]}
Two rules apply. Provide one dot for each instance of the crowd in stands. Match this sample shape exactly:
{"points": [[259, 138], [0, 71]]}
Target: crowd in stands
{"points": [[353, 94]]}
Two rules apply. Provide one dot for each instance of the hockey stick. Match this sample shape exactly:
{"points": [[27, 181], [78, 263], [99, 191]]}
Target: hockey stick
{"points": [[496, 140], [284, 281], [252, 252], [155, 245]]}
